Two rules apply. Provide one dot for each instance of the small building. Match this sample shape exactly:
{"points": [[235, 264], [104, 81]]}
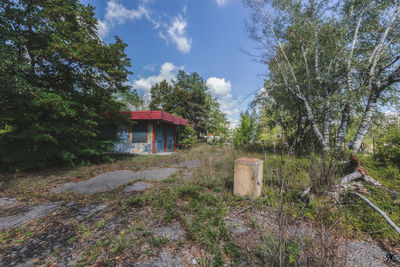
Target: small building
{"points": [[153, 132]]}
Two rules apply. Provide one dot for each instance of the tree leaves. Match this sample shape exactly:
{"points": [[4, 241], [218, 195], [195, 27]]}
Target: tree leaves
{"points": [[59, 83]]}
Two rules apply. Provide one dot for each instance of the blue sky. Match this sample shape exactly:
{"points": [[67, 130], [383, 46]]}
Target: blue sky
{"points": [[204, 36]]}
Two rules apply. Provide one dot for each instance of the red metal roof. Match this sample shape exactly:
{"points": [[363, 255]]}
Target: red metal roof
{"points": [[156, 115]]}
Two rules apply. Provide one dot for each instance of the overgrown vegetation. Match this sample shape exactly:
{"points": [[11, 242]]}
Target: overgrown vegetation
{"points": [[59, 84], [282, 229]]}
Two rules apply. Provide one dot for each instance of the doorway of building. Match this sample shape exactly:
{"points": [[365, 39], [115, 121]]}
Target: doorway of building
{"points": [[160, 138], [170, 138]]}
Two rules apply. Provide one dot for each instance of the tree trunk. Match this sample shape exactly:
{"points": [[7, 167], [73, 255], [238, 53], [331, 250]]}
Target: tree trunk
{"points": [[314, 127], [327, 123], [344, 125], [367, 119]]}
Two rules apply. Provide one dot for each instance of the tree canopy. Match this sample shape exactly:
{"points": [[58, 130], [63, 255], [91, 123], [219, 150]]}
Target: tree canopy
{"points": [[328, 61], [188, 97], [59, 82]]}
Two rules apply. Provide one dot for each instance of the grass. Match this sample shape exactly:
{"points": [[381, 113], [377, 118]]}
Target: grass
{"points": [[202, 204]]}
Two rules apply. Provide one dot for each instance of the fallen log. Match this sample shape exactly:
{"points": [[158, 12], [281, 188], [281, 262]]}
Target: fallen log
{"points": [[351, 177], [393, 192], [383, 214], [371, 180], [358, 175]]}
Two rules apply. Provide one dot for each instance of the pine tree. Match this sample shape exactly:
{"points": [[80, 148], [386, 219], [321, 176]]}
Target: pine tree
{"points": [[59, 82]]}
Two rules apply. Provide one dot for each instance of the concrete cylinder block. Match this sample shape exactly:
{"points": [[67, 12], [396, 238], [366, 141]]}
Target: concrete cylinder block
{"points": [[248, 177]]}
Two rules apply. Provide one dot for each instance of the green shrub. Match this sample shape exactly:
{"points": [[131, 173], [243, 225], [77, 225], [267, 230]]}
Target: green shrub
{"points": [[187, 136], [135, 202], [388, 147]]}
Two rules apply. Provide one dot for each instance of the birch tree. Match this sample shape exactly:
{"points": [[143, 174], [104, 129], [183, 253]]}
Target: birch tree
{"points": [[300, 51], [336, 58]]}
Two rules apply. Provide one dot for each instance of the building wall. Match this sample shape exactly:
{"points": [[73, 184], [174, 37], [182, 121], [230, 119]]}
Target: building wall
{"points": [[125, 145]]}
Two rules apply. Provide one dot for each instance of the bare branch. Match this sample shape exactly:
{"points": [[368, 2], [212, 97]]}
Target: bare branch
{"points": [[387, 219], [374, 58], [355, 37]]}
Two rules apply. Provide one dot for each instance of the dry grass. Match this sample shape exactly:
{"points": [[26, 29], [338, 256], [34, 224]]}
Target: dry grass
{"points": [[282, 231]]}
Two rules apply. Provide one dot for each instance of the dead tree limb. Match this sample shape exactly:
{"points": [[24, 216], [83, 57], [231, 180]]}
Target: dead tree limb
{"points": [[395, 227], [371, 180], [351, 177], [358, 175]]}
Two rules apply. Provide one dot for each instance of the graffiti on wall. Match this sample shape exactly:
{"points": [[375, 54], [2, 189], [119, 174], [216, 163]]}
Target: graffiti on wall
{"points": [[139, 148], [125, 144]]}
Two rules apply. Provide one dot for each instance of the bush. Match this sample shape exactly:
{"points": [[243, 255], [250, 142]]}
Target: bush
{"points": [[135, 202], [187, 136], [388, 147]]}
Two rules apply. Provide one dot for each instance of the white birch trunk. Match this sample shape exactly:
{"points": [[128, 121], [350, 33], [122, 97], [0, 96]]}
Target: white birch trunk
{"points": [[387, 219], [367, 119], [344, 125], [314, 127], [327, 124]]}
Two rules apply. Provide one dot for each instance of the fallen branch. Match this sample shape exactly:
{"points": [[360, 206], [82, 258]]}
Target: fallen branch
{"points": [[369, 179], [305, 192], [358, 175], [351, 177], [395, 227], [393, 192]]}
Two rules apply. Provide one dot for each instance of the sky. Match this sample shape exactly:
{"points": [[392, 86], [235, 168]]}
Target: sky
{"points": [[203, 36]]}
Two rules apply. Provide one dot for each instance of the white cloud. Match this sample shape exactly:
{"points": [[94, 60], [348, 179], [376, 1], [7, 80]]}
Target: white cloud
{"points": [[178, 35], [221, 3], [150, 67], [116, 14], [168, 72], [219, 87], [174, 31]]}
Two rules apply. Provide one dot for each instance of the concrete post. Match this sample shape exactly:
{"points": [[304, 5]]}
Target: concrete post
{"points": [[248, 177]]}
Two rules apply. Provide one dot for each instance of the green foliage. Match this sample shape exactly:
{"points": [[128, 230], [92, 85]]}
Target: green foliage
{"points": [[166, 201], [313, 51], [131, 100], [160, 94], [245, 132], [186, 136], [158, 241], [134, 201], [270, 247], [217, 123], [189, 190], [59, 83], [188, 97], [388, 147], [364, 220]]}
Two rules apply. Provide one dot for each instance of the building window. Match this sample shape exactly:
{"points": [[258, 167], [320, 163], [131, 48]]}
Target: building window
{"points": [[139, 132]]}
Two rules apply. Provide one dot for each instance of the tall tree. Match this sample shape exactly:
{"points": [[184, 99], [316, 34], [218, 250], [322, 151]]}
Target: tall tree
{"points": [[186, 97], [59, 82], [159, 95], [217, 122], [244, 133], [329, 56]]}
